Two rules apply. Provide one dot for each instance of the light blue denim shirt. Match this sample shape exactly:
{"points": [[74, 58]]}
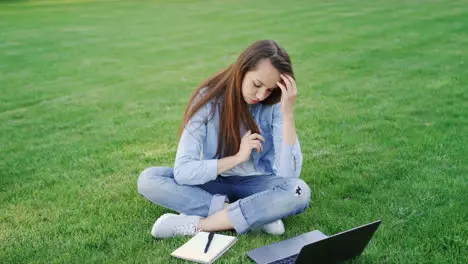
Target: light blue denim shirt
{"points": [[195, 163]]}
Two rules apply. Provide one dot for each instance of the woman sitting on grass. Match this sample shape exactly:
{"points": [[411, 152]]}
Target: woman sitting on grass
{"points": [[238, 160]]}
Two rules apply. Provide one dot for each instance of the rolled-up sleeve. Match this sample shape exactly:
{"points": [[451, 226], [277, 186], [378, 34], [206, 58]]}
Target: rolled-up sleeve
{"points": [[189, 167], [288, 158]]}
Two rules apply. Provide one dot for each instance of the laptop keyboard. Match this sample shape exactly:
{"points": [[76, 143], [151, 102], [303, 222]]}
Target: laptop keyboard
{"points": [[288, 260]]}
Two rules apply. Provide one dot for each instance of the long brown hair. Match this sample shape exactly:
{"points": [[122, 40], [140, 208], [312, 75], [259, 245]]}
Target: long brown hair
{"points": [[234, 110]]}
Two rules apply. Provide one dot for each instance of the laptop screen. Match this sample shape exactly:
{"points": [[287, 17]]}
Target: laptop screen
{"points": [[339, 247]]}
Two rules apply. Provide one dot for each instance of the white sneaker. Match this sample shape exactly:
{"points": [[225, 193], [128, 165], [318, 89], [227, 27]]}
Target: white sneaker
{"points": [[274, 228], [169, 225]]}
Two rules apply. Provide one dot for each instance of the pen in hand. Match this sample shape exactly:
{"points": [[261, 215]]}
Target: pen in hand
{"points": [[210, 238]]}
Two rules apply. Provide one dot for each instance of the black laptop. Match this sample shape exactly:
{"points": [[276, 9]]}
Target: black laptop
{"points": [[315, 247]]}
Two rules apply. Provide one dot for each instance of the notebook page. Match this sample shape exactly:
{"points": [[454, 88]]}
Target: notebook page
{"points": [[194, 248]]}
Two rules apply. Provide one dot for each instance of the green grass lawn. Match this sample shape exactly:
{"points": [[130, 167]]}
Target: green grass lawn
{"points": [[91, 93]]}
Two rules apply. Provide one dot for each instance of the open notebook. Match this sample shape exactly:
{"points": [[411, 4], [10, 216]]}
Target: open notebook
{"points": [[194, 249]]}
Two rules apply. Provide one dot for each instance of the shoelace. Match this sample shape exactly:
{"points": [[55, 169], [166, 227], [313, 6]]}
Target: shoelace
{"points": [[186, 229]]}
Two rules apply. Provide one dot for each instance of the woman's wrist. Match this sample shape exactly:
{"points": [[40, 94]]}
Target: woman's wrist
{"points": [[228, 163], [237, 158], [288, 118]]}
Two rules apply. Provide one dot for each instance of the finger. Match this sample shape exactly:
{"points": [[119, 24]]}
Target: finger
{"points": [[256, 136], [283, 89], [255, 141], [290, 78], [258, 146], [286, 81], [254, 146], [293, 83], [247, 134]]}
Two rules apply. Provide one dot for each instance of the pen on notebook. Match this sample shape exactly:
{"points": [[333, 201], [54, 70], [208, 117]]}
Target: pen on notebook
{"points": [[210, 238]]}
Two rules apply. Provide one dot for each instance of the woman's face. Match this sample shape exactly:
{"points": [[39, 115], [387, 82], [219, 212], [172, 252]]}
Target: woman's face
{"points": [[259, 83]]}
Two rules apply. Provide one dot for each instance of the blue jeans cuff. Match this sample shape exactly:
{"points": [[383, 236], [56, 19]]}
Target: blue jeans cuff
{"points": [[217, 203], [237, 219]]}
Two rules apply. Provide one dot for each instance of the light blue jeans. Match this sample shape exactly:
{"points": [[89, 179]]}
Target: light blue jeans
{"points": [[255, 201]]}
